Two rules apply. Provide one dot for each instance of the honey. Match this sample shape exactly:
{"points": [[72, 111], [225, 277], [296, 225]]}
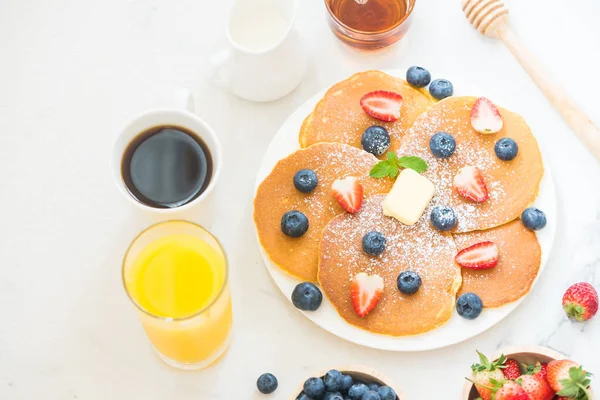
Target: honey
{"points": [[369, 15]]}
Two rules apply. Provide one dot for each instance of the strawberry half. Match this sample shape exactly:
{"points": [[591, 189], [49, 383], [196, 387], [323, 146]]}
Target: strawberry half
{"points": [[382, 105], [349, 193], [580, 302], [469, 183], [485, 117], [365, 291], [481, 255]]}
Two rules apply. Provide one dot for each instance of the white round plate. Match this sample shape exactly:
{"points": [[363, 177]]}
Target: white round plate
{"points": [[457, 329]]}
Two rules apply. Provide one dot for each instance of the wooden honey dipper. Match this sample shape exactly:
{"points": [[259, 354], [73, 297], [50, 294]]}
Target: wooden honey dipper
{"points": [[490, 18]]}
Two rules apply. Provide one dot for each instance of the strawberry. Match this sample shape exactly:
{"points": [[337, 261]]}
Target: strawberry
{"points": [[485, 117], [537, 369], [382, 105], [485, 374], [482, 255], [536, 387], [469, 183], [365, 291], [349, 193], [511, 369], [509, 390], [568, 379], [580, 302]]}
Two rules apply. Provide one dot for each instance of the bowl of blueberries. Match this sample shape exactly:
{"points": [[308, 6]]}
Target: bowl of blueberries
{"points": [[347, 383]]}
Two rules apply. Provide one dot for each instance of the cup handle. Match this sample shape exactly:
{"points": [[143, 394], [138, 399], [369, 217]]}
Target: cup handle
{"points": [[217, 63]]}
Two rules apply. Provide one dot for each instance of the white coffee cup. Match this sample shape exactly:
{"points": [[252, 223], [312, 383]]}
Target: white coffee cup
{"points": [[199, 209], [266, 58]]}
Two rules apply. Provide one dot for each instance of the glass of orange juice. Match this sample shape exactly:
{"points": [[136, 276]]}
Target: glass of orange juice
{"points": [[175, 274]]}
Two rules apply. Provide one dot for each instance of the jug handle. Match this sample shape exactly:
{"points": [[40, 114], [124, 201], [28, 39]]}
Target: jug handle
{"points": [[217, 61]]}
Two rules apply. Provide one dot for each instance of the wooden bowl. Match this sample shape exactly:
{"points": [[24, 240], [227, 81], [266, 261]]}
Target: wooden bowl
{"points": [[522, 354], [359, 372]]}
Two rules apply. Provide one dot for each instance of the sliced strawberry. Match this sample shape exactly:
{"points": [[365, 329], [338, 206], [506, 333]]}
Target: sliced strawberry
{"points": [[485, 117], [382, 105], [469, 183], [349, 193], [481, 255], [365, 291]]}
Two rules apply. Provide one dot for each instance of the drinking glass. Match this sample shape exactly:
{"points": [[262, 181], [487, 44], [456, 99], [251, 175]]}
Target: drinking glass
{"points": [[187, 341]]}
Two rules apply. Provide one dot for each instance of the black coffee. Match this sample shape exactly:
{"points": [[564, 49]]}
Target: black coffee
{"points": [[166, 167]]}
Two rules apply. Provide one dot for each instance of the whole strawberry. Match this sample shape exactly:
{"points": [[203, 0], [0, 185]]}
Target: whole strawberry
{"points": [[511, 369], [537, 369], [487, 374], [509, 390], [580, 302], [536, 387], [568, 379]]}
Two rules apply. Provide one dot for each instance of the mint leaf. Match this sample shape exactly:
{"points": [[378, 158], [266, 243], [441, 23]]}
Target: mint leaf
{"points": [[383, 169], [391, 166], [413, 162], [392, 157]]}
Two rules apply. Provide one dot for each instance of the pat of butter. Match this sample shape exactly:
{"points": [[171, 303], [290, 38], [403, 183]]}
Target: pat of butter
{"points": [[409, 197]]}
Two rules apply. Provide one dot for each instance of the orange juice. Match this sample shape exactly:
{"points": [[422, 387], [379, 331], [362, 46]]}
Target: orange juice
{"points": [[178, 280]]}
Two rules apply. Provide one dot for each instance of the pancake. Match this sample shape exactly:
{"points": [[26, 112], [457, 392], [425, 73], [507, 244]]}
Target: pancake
{"points": [[338, 117], [419, 248], [276, 195], [512, 185], [518, 265]]}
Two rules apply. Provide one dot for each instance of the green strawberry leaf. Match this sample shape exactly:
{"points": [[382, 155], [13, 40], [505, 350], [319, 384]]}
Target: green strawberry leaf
{"points": [[576, 387]]}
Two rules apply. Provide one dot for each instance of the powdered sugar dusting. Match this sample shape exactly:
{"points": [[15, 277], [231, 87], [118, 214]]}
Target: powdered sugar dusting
{"points": [[418, 248], [511, 185]]}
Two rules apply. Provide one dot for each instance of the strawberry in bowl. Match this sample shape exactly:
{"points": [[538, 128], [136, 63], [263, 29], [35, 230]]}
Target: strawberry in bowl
{"points": [[528, 373]]}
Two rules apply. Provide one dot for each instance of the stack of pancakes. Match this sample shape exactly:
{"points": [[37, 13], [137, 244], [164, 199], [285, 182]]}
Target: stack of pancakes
{"points": [[330, 253]]}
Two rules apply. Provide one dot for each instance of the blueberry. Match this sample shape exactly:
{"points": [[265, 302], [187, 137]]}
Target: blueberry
{"points": [[374, 386], [443, 218], [305, 180], [373, 243], [333, 380], [418, 76], [304, 396], [314, 387], [307, 297], [357, 391], [506, 149], [294, 224], [442, 145], [333, 396], [266, 383], [387, 393], [533, 218], [375, 140], [440, 89], [469, 306], [371, 395], [347, 381], [409, 282]]}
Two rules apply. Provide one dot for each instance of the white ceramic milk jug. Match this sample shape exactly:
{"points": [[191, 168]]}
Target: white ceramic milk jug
{"points": [[266, 58]]}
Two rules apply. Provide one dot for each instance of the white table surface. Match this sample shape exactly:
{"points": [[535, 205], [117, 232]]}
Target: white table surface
{"points": [[71, 73]]}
